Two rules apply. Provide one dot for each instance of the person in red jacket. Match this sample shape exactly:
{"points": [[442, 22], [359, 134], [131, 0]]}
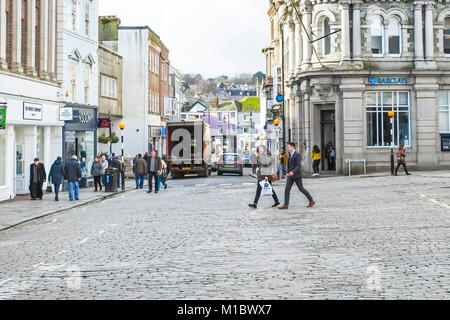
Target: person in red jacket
{"points": [[401, 160]]}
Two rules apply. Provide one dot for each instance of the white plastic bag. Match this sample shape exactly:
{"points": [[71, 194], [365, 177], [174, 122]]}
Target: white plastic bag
{"points": [[266, 188]]}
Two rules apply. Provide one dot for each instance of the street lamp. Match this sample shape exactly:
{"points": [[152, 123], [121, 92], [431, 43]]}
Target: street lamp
{"points": [[122, 127], [391, 115]]}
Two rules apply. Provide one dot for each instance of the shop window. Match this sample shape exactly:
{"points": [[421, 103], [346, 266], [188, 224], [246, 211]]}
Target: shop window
{"points": [[379, 124], [444, 111], [447, 36], [81, 144], [377, 36], [394, 36], [326, 41]]}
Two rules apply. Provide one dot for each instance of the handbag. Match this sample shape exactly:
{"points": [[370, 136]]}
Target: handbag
{"points": [[49, 189], [275, 177]]}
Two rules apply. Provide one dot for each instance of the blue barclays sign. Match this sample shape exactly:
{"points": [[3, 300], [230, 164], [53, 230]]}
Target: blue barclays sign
{"points": [[395, 80]]}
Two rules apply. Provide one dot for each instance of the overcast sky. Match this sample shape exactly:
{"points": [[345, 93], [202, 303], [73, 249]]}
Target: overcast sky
{"points": [[210, 37]]}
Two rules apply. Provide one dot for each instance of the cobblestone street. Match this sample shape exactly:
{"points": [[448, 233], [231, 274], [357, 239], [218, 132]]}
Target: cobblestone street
{"points": [[369, 237]]}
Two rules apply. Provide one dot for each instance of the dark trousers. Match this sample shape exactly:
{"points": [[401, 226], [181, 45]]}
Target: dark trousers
{"points": [[150, 181], [98, 182], [404, 167], [57, 186], [258, 193], [36, 191], [316, 164], [299, 183]]}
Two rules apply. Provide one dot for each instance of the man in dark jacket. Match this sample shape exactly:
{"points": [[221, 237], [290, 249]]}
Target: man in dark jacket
{"points": [[140, 170], [295, 176], [72, 172], [56, 175], [37, 179], [154, 169]]}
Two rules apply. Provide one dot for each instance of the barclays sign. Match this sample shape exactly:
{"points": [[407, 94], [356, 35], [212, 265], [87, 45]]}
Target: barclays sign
{"points": [[395, 80]]}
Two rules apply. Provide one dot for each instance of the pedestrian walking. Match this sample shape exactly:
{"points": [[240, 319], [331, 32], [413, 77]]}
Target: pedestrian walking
{"points": [[140, 170], [105, 166], [282, 157], [401, 160], [72, 172], [316, 157], [96, 172], [264, 164], [56, 175], [162, 178], [37, 179], [154, 169], [295, 176]]}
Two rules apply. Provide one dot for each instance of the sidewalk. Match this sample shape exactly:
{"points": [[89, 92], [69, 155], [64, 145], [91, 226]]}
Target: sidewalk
{"points": [[23, 209]]}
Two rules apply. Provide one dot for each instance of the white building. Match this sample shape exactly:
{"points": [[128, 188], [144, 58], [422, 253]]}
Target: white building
{"points": [[175, 96], [29, 90], [78, 72]]}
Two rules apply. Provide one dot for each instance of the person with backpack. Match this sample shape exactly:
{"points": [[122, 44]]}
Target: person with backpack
{"points": [[56, 176]]}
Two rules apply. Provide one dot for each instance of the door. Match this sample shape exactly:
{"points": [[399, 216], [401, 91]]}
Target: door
{"points": [[20, 170], [328, 134]]}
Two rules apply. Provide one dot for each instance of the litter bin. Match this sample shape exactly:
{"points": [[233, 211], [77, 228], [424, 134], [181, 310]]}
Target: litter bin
{"points": [[111, 176]]}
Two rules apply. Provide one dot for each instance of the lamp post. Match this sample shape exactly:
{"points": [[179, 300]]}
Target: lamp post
{"points": [[122, 127], [391, 115]]}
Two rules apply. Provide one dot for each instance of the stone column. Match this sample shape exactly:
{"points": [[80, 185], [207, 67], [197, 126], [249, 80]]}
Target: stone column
{"points": [[429, 32], [3, 64], [16, 37], [418, 34], [307, 48], [345, 31], [356, 30], [43, 65], [292, 64], [298, 45], [31, 39]]}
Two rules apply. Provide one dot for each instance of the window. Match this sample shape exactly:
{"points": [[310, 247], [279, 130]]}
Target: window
{"points": [[326, 41], [220, 130], [394, 39], [233, 115], [108, 87], [444, 111], [74, 15], [233, 128], [87, 17], [87, 76], [378, 122], [447, 35], [220, 116], [377, 36], [73, 81]]}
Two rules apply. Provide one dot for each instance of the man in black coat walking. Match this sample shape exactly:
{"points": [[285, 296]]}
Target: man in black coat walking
{"points": [[37, 179], [295, 176]]}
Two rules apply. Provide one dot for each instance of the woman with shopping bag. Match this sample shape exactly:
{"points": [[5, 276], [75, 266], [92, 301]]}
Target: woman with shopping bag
{"points": [[265, 176]]}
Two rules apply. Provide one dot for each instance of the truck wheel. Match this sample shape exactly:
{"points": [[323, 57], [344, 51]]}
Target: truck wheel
{"points": [[219, 173]]}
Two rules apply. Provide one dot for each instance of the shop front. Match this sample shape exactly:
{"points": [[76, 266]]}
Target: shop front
{"points": [[158, 139], [80, 136]]}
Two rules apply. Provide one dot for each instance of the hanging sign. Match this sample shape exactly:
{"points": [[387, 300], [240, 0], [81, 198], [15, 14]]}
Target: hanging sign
{"points": [[2, 116]]}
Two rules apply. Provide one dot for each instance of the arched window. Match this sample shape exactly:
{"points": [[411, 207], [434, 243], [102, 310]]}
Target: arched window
{"points": [[447, 35], [394, 39], [377, 36], [327, 40]]}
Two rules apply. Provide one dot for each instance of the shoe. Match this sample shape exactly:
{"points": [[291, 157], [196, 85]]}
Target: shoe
{"points": [[33, 198], [137, 188], [95, 190], [408, 174], [40, 198], [149, 191], [283, 207], [254, 206], [396, 174], [165, 187], [71, 199], [156, 192], [311, 204], [77, 199], [276, 205], [56, 199]]}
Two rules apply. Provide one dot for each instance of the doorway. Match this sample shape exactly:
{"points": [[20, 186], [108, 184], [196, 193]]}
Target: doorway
{"points": [[328, 134]]}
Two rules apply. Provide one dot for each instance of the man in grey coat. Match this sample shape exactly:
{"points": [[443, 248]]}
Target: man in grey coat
{"points": [[295, 176]]}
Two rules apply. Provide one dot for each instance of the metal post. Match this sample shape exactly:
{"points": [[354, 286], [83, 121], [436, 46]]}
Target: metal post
{"points": [[123, 163], [110, 133], [392, 145]]}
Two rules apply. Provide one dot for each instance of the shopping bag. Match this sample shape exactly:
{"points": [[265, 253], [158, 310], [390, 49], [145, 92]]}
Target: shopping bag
{"points": [[266, 188]]}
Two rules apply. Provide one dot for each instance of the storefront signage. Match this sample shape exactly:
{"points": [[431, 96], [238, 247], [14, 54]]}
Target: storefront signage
{"points": [[65, 114], [70, 136], [445, 142], [156, 132], [395, 80], [84, 119], [104, 123], [32, 111], [2, 116]]}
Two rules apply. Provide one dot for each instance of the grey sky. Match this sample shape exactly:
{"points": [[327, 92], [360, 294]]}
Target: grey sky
{"points": [[210, 37]]}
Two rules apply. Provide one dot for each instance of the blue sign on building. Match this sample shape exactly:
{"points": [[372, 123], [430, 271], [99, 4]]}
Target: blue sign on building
{"points": [[395, 80]]}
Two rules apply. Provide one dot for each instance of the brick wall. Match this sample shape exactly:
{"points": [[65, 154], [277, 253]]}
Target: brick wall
{"points": [[25, 26], [9, 31]]}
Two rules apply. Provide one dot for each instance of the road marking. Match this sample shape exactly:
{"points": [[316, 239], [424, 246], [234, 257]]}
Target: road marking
{"points": [[201, 185], [37, 265], [446, 205], [435, 201], [114, 225], [423, 196], [83, 241], [248, 184], [62, 252], [226, 184], [55, 220], [101, 232], [5, 281]]}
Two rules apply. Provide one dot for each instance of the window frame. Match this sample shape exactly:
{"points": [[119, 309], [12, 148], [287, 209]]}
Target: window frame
{"points": [[441, 110], [447, 55], [327, 39], [383, 37], [400, 38]]}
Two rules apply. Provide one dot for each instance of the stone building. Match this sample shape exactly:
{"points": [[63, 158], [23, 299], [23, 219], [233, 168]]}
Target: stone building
{"points": [[345, 64], [29, 89]]}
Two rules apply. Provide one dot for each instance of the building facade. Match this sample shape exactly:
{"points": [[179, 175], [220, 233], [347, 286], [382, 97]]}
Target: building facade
{"points": [[29, 90], [78, 72], [176, 95], [345, 64]]}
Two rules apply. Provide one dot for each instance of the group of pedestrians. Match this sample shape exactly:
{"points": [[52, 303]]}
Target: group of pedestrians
{"points": [[70, 172], [153, 166]]}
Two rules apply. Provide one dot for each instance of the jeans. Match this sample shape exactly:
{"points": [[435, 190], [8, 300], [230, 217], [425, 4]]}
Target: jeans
{"points": [[299, 183], [140, 181], [283, 169], [160, 180], [316, 166], [150, 181], [258, 193], [74, 185], [57, 186]]}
